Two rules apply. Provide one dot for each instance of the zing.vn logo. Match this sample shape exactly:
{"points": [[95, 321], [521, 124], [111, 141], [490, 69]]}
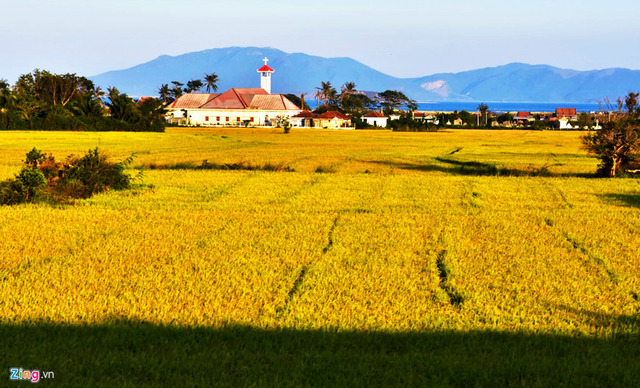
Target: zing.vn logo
{"points": [[34, 376]]}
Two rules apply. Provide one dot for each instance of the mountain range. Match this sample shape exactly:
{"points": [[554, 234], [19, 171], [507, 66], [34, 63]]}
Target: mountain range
{"points": [[301, 73]]}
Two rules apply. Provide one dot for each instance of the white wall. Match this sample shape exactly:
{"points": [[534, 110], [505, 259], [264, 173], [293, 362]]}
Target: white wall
{"points": [[379, 121], [219, 117]]}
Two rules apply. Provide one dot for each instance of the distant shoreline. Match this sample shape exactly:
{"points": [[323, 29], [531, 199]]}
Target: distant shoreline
{"points": [[537, 107]]}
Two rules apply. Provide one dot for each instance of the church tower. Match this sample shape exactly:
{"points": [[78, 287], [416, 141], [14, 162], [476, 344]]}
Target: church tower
{"points": [[265, 76]]}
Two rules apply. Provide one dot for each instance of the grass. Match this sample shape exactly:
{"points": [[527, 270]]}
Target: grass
{"points": [[428, 269]]}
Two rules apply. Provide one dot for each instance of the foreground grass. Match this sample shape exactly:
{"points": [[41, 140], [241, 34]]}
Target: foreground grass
{"points": [[414, 261], [139, 354]]}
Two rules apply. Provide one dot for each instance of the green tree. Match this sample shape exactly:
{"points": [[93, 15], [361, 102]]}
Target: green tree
{"points": [[326, 93], [176, 90], [348, 89], [165, 93], [393, 99], [484, 113], [617, 145], [631, 104], [211, 81], [193, 85], [120, 105]]}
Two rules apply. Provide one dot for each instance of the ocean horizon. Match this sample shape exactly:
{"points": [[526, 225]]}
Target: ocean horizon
{"points": [[507, 106], [451, 106]]}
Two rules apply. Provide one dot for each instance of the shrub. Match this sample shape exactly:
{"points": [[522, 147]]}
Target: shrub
{"points": [[45, 179], [617, 145]]}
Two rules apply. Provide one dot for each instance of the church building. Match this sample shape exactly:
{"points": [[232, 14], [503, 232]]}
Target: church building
{"points": [[235, 107]]}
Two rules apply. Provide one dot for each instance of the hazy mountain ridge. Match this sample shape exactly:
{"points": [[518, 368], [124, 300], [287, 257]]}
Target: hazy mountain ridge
{"points": [[302, 73]]}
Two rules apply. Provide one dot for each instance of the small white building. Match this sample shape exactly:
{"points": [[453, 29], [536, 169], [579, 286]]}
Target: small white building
{"points": [[376, 119]]}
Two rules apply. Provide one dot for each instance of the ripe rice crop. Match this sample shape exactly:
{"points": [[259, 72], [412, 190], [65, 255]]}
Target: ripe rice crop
{"points": [[388, 239]]}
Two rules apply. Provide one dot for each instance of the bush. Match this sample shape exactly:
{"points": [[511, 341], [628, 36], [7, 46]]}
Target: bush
{"points": [[45, 179], [617, 145]]}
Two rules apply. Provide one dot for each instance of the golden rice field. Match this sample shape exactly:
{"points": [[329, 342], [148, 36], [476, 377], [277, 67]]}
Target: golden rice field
{"points": [[401, 233]]}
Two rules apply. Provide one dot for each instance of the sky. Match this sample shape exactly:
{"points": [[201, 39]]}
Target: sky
{"points": [[403, 38]]}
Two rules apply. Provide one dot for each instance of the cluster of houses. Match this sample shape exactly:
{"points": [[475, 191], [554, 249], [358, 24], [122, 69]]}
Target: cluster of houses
{"points": [[258, 107], [563, 117], [255, 107]]}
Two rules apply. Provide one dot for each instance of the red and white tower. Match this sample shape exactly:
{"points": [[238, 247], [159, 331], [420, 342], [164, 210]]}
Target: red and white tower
{"points": [[265, 76]]}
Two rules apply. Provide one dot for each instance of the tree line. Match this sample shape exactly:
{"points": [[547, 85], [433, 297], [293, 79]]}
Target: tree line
{"points": [[41, 100]]}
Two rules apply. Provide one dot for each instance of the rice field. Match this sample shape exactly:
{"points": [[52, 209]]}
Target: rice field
{"points": [[502, 239]]}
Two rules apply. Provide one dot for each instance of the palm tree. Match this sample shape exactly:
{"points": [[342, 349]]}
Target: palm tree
{"points": [[346, 90], [303, 103], [211, 80], [484, 110], [318, 95], [164, 92], [326, 92], [194, 85]]}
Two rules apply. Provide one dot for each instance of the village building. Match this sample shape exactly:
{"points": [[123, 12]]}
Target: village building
{"points": [[332, 120], [567, 113], [565, 116], [303, 119], [235, 107], [523, 118], [376, 119]]}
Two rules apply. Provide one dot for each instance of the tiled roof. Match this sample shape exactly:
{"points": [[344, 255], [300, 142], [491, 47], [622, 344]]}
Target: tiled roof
{"points": [[305, 114], [234, 99], [192, 100], [332, 114], [565, 112], [144, 98], [243, 98], [265, 68], [523, 114], [375, 113], [272, 102]]}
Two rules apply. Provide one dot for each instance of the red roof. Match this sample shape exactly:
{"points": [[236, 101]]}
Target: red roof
{"points": [[304, 113], [523, 114], [234, 99], [192, 100], [272, 102], [374, 113], [565, 112], [265, 68], [332, 114]]}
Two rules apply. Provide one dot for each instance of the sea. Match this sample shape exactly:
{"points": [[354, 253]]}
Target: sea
{"points": [[497, 107], [506, 106]]}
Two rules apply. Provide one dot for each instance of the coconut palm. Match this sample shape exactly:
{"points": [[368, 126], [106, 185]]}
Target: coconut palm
{"points": [[346, 90], [211, 80], [484, 110], [165, 92], [326, 93]]}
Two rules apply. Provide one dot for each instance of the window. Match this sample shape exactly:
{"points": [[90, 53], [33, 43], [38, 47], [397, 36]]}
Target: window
{"points": [[238, 119], [206, 118], [226, 119], [217, 118], [252, 119]]}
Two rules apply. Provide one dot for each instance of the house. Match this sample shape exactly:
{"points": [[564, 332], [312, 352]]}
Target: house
{"points": [[424, 117], [523, 118], [376, 119], [235, 107], [303, 119], [333, 120], [568, 113]]}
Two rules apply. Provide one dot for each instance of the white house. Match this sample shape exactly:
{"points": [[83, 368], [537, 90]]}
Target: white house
{"points": [[375, 118], [235, 107]]}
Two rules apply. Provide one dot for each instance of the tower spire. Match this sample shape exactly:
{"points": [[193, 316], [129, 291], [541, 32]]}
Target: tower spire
{"points": [[265, 76]]}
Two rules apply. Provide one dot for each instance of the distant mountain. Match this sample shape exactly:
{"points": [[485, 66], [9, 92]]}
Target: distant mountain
{"points": [[302, 73]]}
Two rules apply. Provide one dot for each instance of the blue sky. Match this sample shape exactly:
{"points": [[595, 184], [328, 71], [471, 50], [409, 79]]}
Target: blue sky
{"points": [[402, 38]]}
